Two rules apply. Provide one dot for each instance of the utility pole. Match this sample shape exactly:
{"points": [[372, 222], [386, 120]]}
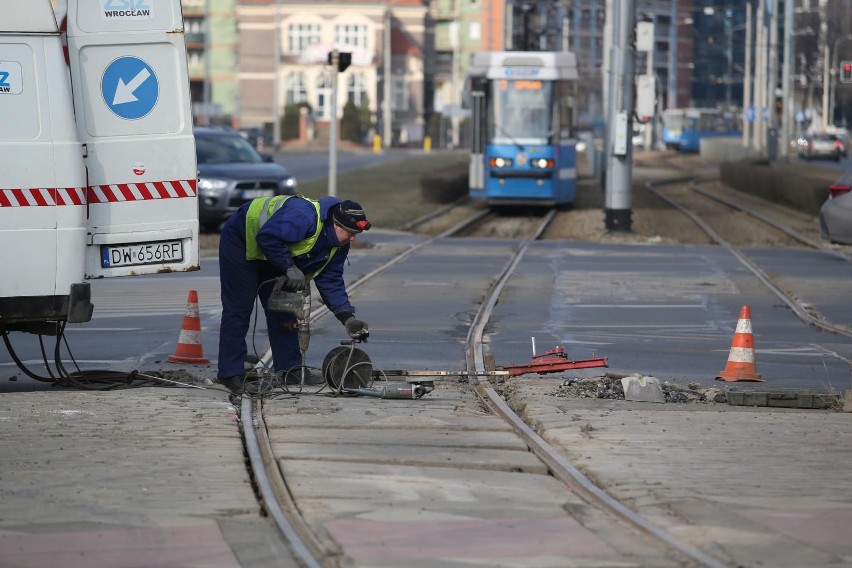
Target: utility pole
{"points": [[208, 42], [674, 28], [772, 138], [786, 78], [606, 91], [760, 79], [826, 87], [455, 96], [748, 100], [334, 57], [276, 88], [387, 126], [619, 151]]}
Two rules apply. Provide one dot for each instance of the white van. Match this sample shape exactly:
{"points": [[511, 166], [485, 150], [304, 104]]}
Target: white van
{"points": [[98, 180]]}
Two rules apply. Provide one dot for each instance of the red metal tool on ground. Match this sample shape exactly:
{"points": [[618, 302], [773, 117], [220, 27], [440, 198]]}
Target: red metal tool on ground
{"points": [[348, 370], [554, 361]]}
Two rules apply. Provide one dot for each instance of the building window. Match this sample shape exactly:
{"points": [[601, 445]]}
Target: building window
{"points": [[474, 31], [301, 36], [356, 89], [322, 108], [194, 26], [294, 86], [351, 35], [400, 96], [194, 59]]}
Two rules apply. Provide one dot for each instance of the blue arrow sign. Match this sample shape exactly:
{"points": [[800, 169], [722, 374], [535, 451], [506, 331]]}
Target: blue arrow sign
{"points": [[130, 88]]}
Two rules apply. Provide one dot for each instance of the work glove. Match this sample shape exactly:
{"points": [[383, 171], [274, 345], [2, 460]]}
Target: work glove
{"points": [[293, 280], [357, 329]]}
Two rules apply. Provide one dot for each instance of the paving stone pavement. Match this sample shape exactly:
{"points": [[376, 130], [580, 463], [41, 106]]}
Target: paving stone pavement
{"points": [[155, 477], [754, 486], [131, 478]]}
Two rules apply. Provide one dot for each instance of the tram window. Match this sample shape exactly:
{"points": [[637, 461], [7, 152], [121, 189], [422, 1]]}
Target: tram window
{"points": [[522, 109]]}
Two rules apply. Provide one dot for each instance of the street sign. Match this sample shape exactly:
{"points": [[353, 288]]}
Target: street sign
{"points": [[645, 37], [130, 88]]}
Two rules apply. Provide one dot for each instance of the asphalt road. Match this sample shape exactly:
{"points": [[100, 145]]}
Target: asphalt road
{"points": [[308, 165], [668, 311]]}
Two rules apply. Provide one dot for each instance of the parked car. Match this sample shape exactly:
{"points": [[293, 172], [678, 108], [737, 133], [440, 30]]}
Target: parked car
{"points": [[231, 172], [835, 215], [822, 146]]}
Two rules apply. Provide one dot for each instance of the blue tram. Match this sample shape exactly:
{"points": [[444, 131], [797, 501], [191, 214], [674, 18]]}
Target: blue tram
{"points": [[523, 149], [672, 127], [684, 129]]}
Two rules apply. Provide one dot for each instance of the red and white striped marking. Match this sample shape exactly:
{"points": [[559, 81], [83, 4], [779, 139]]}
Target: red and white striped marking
{"points": [[122, 192], [42, 197], [141, 191]]}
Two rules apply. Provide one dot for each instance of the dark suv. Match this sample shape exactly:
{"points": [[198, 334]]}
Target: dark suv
{"points": [[231, 173]]}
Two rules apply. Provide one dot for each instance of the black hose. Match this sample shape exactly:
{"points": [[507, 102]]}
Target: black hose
{"points": [[20, 363]]}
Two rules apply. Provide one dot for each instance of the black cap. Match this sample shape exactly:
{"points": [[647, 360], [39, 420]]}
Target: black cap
{"points": [[350, 216]]}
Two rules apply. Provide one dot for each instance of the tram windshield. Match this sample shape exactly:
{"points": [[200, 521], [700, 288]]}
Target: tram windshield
{"points": [[522, 111], [673, 119]]}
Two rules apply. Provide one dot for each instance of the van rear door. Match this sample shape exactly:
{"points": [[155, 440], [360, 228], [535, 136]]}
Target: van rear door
{"points": [[42, 179], [131, 99]]}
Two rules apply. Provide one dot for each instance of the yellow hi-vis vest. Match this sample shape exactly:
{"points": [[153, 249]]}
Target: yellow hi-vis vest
{"points": [[259, 212]]}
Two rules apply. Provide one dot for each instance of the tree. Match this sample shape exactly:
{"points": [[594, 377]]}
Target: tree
{"points": [[290, 120], [350, 123]]}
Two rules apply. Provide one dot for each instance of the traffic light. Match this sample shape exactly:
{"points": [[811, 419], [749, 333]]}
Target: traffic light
{"points": [[344, 59], [846, 71]]}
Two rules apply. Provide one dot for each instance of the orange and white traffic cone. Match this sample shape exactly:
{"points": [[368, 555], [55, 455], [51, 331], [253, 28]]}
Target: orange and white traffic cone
{"points": [[741, 365], [189, 343]]}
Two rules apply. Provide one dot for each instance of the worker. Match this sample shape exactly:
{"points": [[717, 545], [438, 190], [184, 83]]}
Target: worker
{"points": [[283, 241]]}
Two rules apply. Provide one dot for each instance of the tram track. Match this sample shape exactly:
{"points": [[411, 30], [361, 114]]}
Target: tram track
{"points": [[503, 455], [694, 204]]}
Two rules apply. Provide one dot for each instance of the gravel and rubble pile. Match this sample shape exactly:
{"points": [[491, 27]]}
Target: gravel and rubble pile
{"points": [[609, 387]]}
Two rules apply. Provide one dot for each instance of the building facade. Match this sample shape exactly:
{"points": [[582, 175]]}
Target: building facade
{"points": [[300, 35], [235, 80], [210, 32]]}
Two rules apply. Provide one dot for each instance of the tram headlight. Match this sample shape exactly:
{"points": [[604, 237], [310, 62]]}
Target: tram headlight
{"points": [[542, 163], [500, 162]]}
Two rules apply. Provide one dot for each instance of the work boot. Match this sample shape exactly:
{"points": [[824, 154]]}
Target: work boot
{"points": [[312, 377], [234, 384]]}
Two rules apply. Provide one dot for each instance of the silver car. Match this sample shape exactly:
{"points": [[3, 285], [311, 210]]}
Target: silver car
{"points": [[827, 146], [835, 215], [231, 172]]}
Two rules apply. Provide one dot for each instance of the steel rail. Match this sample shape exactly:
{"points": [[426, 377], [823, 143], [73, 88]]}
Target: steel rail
{"points": [[786, 229], [266, 468], [434, 214], [322, 311], [797, 308], [270, 482], [560, 467], [252, 420]]}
